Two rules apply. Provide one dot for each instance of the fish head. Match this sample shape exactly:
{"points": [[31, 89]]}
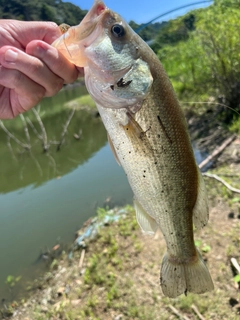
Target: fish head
{"points": [[109, 50]]}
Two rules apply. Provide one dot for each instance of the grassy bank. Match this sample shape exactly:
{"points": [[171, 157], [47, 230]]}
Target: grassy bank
{"points": [[115, 274]]}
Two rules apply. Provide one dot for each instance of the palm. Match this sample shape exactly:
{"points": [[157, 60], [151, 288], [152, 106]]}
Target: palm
{"points": [[12, 103]]}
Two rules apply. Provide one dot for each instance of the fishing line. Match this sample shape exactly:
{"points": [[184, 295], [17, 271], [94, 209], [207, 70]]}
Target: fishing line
{"points": [[66, 45], [220, 104]]}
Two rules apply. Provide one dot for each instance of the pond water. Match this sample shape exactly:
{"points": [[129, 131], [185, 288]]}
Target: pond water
{"points": [[46, 197]]}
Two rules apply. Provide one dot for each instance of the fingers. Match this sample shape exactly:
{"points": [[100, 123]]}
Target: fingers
{"points": [[25, 31], [18, 93], [54, 60], [32, 67]]}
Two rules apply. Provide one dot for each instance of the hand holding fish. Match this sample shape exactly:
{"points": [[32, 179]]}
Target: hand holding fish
{"points": [[30, 68]]}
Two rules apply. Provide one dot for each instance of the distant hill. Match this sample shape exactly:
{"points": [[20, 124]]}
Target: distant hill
{"points": [[149, 32], [59, 12], [44, 10]]}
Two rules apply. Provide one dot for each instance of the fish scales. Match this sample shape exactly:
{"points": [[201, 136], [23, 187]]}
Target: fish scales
{"points": [[148, 135], [160, 166]]}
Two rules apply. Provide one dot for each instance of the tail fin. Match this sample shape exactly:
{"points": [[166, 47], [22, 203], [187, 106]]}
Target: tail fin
{"points": [[181, 278]]}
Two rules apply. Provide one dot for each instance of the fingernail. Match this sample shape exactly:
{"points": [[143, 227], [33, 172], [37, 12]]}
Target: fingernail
{"points": [[10, 55], [41, 49]]}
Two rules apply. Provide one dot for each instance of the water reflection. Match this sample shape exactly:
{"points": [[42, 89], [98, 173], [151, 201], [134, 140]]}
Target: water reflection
{"points": [[48, 196], [21, 167]]}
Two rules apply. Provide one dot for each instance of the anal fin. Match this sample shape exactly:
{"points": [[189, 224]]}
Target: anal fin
{"points": [[200, 210], [146, 222]]}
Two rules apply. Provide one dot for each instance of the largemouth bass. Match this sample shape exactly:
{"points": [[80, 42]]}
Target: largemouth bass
{"points": [[148, 135]]}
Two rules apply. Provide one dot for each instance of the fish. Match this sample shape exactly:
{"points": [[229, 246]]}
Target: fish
{"points": [[148, 135]]}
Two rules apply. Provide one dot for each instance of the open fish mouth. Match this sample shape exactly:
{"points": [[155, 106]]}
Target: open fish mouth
{"points": [[77, 38]]}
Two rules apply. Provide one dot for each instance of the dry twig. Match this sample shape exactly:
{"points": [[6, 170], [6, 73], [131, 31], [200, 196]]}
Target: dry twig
{"points": [[23, 145], [65, 128], [217, 151], [195, 309], [214, 176], [34, 129], [44, 133], [81, 259], [235, 264], [25, 128], [177, 313]]}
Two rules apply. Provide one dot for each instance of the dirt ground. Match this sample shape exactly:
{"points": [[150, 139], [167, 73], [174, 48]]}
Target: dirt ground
{"points": [[116, 275]]}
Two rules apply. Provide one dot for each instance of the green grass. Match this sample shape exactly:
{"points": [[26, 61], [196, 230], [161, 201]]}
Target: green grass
{"points": [[85, 101]]}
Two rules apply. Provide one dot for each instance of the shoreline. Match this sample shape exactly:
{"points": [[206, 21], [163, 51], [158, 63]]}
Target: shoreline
{"points": [[95, 280]]}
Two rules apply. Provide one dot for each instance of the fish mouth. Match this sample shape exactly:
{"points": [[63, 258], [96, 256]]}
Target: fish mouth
{"points": [[72, 43]]}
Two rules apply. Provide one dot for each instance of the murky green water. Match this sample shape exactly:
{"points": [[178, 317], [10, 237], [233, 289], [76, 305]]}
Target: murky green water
{"points": [[46, 197]]}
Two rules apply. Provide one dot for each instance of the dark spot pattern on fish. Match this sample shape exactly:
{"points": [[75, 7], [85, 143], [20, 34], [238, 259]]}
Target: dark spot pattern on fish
{"points": [[163, 128], [122, 84]]}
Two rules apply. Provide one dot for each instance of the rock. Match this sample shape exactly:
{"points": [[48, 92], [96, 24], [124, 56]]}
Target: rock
{"points": [[62, 270], [44, 309], [82, 271], [119, 317], [44, 302], [75, 302]]}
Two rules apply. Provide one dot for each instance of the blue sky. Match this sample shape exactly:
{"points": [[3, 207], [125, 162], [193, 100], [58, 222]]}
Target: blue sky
{"points": [[141, 11]]}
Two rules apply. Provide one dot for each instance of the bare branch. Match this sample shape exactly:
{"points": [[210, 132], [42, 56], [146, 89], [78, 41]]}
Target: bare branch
{"points": [[235, 264], [34, 129], [11, 149], [65, 128], [25, 128], [177, 313], [81, 259], [44, 133], [217, 151], [195, 309], [214, 176], [54, 165], [23, 145], [37, 164]]}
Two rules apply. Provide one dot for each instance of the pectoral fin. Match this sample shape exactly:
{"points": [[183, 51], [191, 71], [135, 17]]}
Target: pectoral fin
{"points": [[146, 222], [133, 129], [137, 136], [113, 149], [200, 210]]}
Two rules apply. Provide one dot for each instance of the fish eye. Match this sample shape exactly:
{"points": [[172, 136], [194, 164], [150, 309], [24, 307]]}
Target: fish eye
{"points": [[118, 30]]}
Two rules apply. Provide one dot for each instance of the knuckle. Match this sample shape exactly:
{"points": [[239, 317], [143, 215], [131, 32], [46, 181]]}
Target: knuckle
{"points": [[39, 93], [35, 67], [15, 78], [71, 76], [55, 87]]}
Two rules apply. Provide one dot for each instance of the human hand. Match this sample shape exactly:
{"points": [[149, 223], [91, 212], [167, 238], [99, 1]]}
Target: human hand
{"points": [[30, 68]]}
